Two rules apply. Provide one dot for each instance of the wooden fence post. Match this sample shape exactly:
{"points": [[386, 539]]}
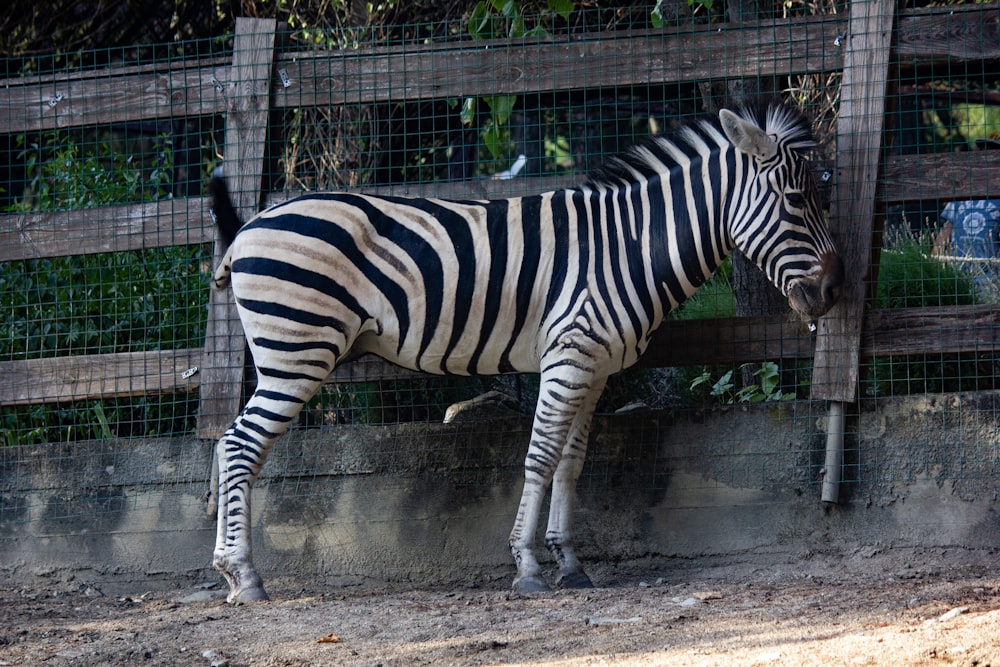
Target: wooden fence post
{"points": [[859, 143], [247, 107]]}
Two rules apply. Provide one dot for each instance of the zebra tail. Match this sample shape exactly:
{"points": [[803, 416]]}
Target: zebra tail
{"points": [[226, 219]]}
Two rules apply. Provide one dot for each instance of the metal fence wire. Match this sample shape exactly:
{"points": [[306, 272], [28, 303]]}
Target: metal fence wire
{"points": [[106, 242]]}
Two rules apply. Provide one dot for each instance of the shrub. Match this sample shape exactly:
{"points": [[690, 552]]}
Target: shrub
{"points": [[142, 300], [911, 277]]}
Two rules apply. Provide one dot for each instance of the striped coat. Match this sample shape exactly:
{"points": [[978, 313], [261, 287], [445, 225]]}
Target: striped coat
{"points": [[570, 284]]}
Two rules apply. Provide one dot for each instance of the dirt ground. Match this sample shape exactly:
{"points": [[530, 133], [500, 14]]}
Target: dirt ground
{"points": [[876, 607]]}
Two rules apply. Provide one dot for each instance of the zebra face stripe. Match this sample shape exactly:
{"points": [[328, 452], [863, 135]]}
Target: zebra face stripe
{"points": [[781, 225]]}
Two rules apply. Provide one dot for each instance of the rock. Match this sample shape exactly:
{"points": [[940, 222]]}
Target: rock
{"points": [[488, 406]]}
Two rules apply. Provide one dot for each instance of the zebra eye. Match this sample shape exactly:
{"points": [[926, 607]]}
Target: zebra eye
{"points": [[795, 199]]}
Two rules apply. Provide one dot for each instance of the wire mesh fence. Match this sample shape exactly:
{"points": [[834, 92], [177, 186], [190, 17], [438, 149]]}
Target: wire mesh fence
{"points": [[107, 241]]}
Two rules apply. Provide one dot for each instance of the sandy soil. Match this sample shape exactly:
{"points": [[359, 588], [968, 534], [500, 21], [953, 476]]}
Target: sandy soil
{"points": [[922, 607]]}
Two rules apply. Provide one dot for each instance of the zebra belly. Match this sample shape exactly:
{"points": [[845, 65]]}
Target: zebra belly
{"points": [[469, 354]]}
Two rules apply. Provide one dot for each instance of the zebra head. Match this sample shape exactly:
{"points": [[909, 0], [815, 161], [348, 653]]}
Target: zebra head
{"points": [[776, 219]]}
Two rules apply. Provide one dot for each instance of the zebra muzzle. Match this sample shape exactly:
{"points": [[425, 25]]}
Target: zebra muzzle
{"points": [[813, 296]]}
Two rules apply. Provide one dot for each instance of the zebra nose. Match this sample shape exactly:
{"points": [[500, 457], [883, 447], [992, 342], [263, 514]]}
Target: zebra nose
{"points": [[813, 296]]}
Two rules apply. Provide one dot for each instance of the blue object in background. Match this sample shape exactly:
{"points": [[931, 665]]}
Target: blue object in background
{"points": [[975, 224]]}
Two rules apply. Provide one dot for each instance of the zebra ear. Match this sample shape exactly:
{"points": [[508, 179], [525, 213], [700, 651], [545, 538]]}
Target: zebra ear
{"points": [[747, 136]]}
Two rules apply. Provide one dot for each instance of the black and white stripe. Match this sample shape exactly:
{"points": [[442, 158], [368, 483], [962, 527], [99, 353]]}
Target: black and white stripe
{"points": [[570, 284]]}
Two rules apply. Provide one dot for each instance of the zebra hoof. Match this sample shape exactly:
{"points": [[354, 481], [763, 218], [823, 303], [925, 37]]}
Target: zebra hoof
{"points": [[249, 594], [531, 584], [578, 579]]}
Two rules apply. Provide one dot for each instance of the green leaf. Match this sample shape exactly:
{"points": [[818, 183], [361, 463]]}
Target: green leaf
{"points": [[496, 140], [517, 28], [656, 16], [508, 8], [723, 386], [468, 113], [769, 378], [501, 107], [102, 419], [565, 7], [704, 378], [481, 22]]}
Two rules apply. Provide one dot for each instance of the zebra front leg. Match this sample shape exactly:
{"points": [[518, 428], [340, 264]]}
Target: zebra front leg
{"points": [[241, 453], [561, 396], [559, 534], [529, 575]]}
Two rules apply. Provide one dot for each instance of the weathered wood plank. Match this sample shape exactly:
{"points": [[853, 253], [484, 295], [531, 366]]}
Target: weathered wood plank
{"points": [[731, 341], [952, 34], [886, 332], [719, 342], [106, 229], [245, 142], [972, 175], [859, 140], [61, 379], [943, 330], [114, 95], [524, 66], [728, 341], [187, 221], [123, 94]]}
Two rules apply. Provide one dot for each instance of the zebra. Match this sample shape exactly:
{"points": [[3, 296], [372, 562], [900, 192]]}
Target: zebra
{"points": [[570, 284]]}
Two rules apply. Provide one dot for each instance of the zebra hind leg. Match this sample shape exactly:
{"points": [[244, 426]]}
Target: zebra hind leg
{"points": [[565, 403], [558, 535], [241, 453]]}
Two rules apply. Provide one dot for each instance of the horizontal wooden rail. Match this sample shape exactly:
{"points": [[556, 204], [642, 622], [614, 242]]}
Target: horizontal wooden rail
{"points": [[972, 175], [957, 33], [717, 342], [470, 69], [545, 64], [160, 224], [886, 332], [76, 378], [184, 221]]}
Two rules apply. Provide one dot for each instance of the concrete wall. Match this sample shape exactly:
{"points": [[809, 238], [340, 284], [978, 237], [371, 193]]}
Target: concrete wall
{"points": [[432, 504]]}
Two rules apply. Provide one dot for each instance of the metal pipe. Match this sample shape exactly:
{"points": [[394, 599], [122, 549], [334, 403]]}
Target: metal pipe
{"points": [[834, 453]]}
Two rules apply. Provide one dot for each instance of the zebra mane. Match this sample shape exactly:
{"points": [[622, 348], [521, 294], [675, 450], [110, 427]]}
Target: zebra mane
{"points": [[648, 158]]}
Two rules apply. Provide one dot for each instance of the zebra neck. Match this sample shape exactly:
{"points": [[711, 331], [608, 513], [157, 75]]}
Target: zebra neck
{"points": [[689, 236]]}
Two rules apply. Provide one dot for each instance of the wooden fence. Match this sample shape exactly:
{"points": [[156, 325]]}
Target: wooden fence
{"points": [[258, 80]]}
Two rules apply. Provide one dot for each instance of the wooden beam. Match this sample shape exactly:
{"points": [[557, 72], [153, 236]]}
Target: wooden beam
{"points": [[189, 88], [970, 175], [493, 67], [245, 142], [859, 142], [943, 329], [62, 379], [954, 34], [106, 229], [728, 341], [712, 342], [113, 95]]}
